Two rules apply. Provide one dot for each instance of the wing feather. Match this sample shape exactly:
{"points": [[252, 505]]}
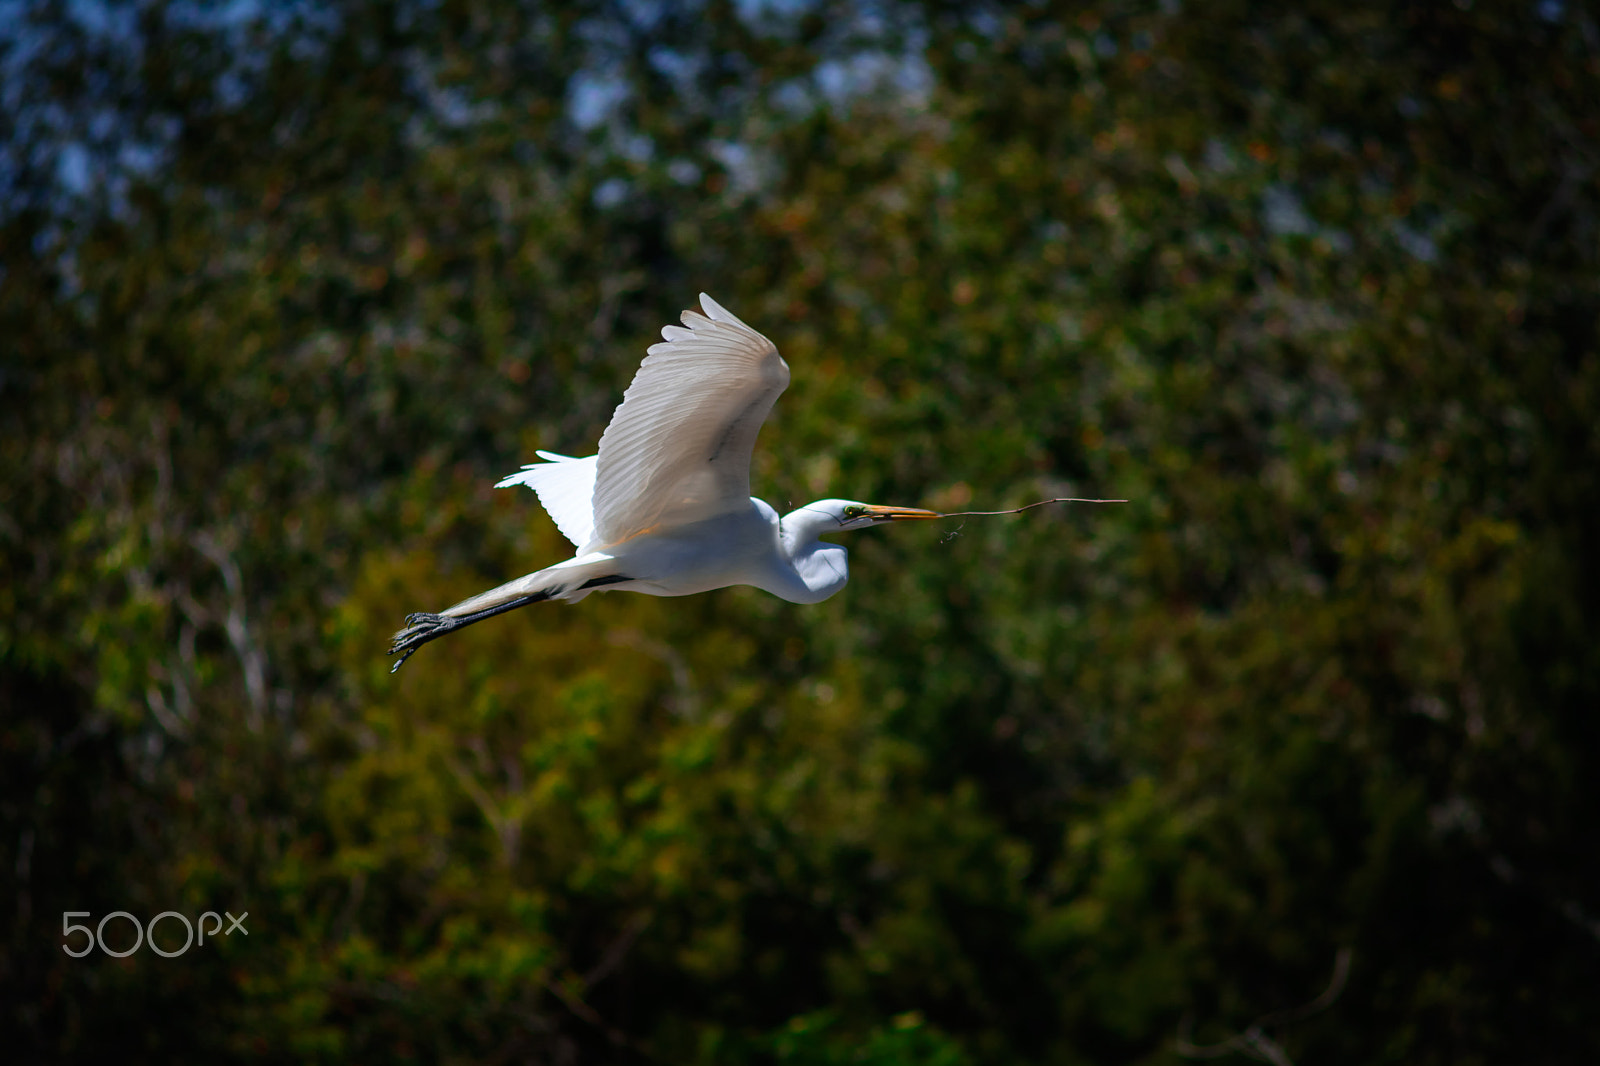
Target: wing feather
{"points": [[678, 448], [566, 489]]}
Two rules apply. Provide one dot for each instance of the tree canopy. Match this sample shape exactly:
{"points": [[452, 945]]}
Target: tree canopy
{"points": [[1293, 757]]}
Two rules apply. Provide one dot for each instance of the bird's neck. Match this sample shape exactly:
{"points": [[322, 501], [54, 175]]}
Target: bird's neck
{"points": [[818, 569], [800, 529]]}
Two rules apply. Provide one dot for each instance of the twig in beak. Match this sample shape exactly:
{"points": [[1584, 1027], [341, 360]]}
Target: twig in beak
{"points": [[1025, 507]]}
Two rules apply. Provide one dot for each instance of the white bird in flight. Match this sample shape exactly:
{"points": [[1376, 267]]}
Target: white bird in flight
{"points": [[665, 507]]}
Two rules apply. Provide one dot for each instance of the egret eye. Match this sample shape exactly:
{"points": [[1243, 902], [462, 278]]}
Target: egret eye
{"points": [[855, 510]]}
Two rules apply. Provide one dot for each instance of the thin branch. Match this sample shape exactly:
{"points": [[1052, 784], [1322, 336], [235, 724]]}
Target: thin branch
{"points": [[237, 626], [686, 702], [618, 950], [1025, 507], [174, 725], [577, 1006], [507, 827], [1254, 1041], [1336, 983]]}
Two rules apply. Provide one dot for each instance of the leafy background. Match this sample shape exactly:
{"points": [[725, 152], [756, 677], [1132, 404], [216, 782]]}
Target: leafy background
{"points": [[286, 287]]}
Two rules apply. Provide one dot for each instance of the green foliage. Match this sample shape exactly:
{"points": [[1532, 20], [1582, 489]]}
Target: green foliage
{"points": [[1315, 290], [907, 1041]]}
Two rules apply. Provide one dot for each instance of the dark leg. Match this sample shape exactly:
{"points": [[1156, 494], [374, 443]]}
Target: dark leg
{"points": [[422, 627]]}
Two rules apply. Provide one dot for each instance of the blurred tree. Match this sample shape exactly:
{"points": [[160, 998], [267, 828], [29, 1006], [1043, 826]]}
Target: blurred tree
{"points": [[285, 289]]}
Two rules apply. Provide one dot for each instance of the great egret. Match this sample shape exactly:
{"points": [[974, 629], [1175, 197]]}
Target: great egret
{"points": [[665, 507]]}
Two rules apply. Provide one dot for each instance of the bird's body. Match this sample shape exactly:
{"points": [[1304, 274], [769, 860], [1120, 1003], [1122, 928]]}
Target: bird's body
{"points": [[665, 507]]}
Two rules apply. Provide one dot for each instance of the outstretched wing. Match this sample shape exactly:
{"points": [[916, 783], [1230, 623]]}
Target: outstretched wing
{"points": [[566, 488], [678, 448]]}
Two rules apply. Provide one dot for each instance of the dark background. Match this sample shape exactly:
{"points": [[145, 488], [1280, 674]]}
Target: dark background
{"points": [[285, 288]]}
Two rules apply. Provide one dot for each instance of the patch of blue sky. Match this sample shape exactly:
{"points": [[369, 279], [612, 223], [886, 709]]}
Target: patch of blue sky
{"points": [[683, 171], [1218, 158], [611, 193], [90, 147], [754, 11], [449, 106], [75, 169], [636, 148], [795, 97], [647, 14], [1415, 243], [986, 22], [906, 76], [676, 64], [749, 169], [101, 19], [593, 98], [1284, 214], [773, 18]]}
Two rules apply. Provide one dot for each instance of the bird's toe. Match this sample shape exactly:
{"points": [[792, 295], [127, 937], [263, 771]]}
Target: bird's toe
{"points": [[421, 627]]}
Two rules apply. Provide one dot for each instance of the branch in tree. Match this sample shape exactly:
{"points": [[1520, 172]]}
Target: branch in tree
{"points": [[1253, 1041]]}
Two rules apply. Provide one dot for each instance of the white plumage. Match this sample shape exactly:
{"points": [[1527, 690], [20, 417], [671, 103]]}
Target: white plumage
{"points": [[566, 489], [678, 449], [665, 507]]}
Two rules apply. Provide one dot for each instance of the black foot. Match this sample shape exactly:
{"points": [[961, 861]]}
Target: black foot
{"points": [[420, 628]]}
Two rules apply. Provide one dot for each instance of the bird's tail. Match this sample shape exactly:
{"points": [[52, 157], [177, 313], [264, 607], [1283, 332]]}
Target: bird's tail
{"points": [[566, 489]]}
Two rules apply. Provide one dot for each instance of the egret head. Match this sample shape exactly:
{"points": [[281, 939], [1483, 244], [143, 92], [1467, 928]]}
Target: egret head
{"points": [[838, 515], [821, 566]]}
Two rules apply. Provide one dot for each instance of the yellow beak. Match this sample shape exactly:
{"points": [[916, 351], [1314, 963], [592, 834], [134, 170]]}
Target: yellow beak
{"points": [[882, 513]]}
